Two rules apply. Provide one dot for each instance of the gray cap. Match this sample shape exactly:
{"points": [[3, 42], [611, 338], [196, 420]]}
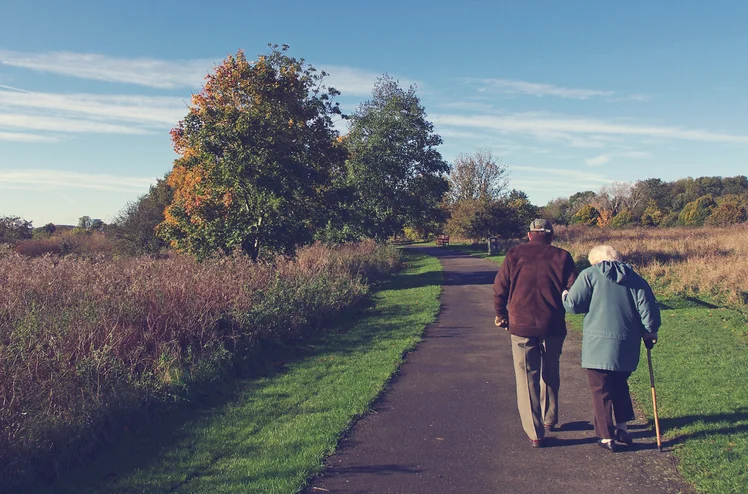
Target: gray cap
{"points": [[541, 225]]}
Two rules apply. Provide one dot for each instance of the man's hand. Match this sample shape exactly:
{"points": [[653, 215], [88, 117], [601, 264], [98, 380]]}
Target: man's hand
{"points": [[564, 294], [501, 323], [649, 340]]}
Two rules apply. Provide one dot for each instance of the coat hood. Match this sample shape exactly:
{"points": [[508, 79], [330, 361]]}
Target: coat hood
{"points": [[615, 271]]}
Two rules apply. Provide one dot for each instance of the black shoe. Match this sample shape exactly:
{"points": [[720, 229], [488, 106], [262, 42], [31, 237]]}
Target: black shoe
{"points": [[610, 445], [624, 437], [550, 427]]}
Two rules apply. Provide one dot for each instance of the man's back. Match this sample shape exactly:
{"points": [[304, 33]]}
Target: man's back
{"points": [[528, 287]]}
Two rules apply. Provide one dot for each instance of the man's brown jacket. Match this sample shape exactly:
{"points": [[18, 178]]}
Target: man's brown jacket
{"points": [[527, 289]]}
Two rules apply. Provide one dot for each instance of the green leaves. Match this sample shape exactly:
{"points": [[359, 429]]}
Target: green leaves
{"points": [[262, 167], [394, 169], [257, 148]]}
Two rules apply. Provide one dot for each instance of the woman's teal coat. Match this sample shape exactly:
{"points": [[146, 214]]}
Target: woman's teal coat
{"points": [[620, 307]]}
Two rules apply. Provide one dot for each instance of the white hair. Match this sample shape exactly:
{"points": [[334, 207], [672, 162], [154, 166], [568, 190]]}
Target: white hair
{"points": [[601, 253]]}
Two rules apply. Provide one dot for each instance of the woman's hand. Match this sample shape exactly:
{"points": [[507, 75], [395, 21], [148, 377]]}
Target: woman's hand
{"points": [[649, 340]]}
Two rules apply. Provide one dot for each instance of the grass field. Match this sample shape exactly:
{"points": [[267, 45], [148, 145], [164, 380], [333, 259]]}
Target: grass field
{"points": [[701, 370], [269, 435]]}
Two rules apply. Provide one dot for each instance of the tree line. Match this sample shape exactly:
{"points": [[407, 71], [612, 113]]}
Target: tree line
{"points": [[263, 168], [689, 201]]}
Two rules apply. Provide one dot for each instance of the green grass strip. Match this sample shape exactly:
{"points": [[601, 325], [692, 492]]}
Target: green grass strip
{"points": [[269, 435]]}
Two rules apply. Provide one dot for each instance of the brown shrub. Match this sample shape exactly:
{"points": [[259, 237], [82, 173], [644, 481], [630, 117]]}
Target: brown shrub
{"points": [[68, 243], [88, 343]]}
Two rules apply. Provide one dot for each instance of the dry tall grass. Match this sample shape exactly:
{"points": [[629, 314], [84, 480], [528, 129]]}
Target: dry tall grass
{"points": [[68, 242], [709, 262], [88, 344]]}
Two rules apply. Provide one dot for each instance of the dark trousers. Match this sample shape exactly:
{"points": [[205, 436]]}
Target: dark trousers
{"points": [[610, 395]]}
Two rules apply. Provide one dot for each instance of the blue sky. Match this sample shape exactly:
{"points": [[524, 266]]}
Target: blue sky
{"points": [[571, 95]]}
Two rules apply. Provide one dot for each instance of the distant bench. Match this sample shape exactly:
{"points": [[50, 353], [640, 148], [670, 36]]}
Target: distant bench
{"points": [[442, 240]]}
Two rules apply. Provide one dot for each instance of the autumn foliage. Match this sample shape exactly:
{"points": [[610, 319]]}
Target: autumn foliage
{"points": [[257, 152]]}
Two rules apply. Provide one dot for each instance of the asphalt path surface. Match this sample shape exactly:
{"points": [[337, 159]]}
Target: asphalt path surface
{"points": [[449, 422]]}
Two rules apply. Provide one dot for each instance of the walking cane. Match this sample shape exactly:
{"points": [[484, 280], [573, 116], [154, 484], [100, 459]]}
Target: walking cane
{"points": [[654, 399]]}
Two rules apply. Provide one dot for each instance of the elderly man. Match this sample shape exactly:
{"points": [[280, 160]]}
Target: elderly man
{"points": [[527, 298]]}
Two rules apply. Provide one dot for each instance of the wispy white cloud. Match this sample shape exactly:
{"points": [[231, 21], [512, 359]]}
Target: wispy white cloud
{"points": [[352, 81], [477, 105], [56, 179], [564, 172], [461, 129], [556, 181], [563, 127], [605, 158], [635, 154], [536, 89], [25, 137], [65, 125], [140, 71], [144, 109], [68, 199], [461, 140], [11, 88], [166, 74], [598, 160], [641, 98], [60, 114]]}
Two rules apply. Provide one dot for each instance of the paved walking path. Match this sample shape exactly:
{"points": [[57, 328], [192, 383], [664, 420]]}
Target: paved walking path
{"points": [[449, 421]]}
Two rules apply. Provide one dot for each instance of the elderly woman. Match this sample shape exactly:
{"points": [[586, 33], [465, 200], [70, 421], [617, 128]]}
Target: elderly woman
{"points": [[621, 310]]}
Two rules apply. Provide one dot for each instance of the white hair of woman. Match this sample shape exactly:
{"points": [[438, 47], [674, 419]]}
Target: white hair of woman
{"points": [[602, 253]]}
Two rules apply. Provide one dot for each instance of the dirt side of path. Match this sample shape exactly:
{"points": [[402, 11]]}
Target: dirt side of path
{"points": [[449, 420]]}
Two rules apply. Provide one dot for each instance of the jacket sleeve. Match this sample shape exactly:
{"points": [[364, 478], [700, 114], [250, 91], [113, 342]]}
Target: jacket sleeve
{"points": [[501, 289], [577, 301], [649, 309], [570, 272]]}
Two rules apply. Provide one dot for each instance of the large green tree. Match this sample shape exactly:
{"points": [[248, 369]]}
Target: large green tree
{"points": [[135, 226], [394, 171], [14, 228], [478, 219], [257, 153], [557, 211]]}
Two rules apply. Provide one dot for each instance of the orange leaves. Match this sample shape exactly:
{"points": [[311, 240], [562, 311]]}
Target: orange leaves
{"points": [[605, 218], [247, 153], [228, 199], [170, 220], [199, 99], [178, 138], [188, 187]]}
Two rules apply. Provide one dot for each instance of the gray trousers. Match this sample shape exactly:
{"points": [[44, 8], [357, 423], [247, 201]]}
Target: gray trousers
{"points": [[536, 369]]}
